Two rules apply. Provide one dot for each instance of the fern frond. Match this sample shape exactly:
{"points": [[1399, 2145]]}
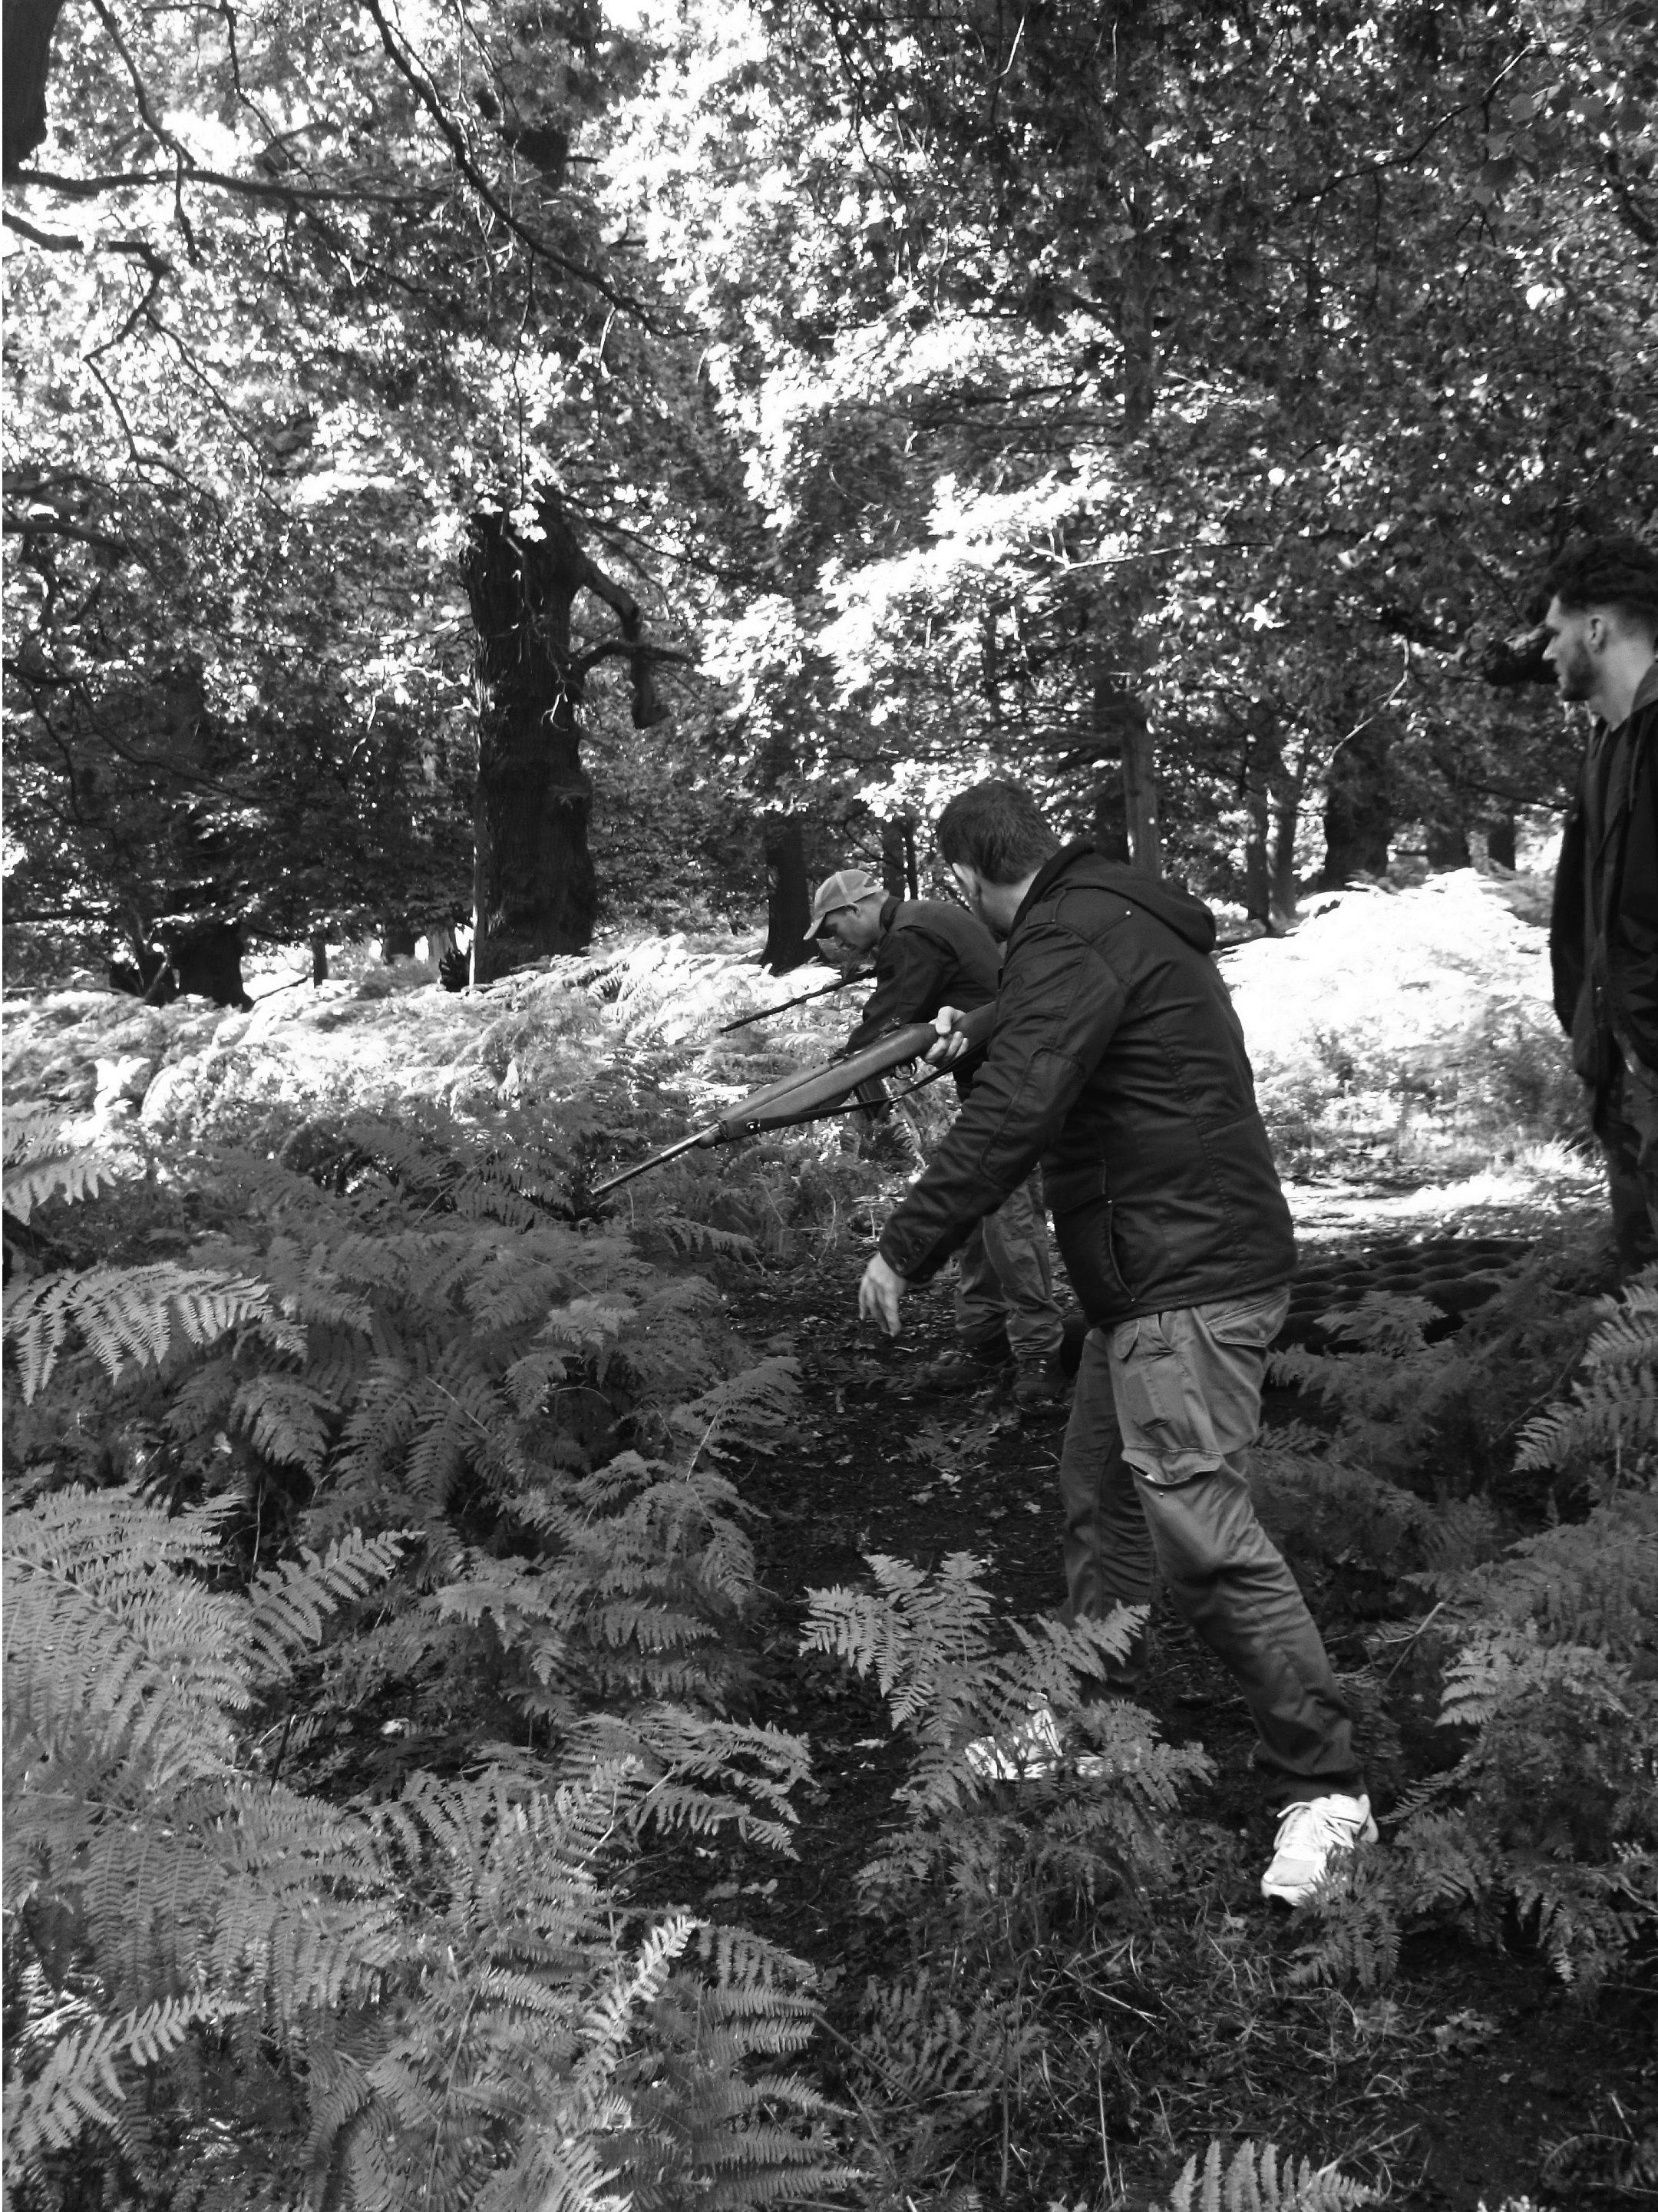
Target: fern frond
{"points": [[73, 1175], [1384, 1322], [922, 2040], [126, 1312], [286, 1603], [286, 1420], [1255, 2181], [606, 2026], [81, 2082], [112, 1659], [33, 1132], [1590, 1582], [744, 1413], [913, 1625], [1615, 1411]]}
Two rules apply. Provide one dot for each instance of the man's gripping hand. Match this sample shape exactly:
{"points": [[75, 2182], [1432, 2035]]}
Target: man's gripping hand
{"points": [[878, 1294], [951, 1043]]}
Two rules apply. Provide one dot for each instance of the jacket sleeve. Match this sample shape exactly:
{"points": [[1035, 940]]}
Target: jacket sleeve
{"points": [[1633, 952], [908, 992], [1056, 1012], [1568, 954]]}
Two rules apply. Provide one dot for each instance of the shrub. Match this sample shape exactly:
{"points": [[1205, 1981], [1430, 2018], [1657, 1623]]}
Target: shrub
{"points": [[388, 1448], [1548, 1651]]}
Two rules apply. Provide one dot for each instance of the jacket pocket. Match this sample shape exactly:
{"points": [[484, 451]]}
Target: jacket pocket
{"points": [[1082, 1228]]}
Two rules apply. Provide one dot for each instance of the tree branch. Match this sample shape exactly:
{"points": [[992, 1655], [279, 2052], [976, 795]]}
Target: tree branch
{"points": [[647, 707], [70, 242], [40, 527], [426, 93], [1405, 159], [87, 188], [152, 123], [619, 649]]}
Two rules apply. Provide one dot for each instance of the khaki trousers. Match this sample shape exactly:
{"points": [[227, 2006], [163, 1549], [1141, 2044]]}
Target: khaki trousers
{"points": [[1154, 1480]]}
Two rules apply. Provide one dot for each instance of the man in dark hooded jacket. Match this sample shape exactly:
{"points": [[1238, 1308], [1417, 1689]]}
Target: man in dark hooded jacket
{"points": [[1602, 622], [1118, 1062]]}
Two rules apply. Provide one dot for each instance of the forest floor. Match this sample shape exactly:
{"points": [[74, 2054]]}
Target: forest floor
{"points": [[1452, 2087], [1394, 1040]]}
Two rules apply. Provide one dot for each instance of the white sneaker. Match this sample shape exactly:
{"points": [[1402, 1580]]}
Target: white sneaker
{"points": [[1310, 1835], [1029, 1753]]}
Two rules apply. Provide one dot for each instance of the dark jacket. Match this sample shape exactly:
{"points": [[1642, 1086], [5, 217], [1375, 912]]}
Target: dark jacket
{"points": [[1118, 1061], [1604, 929], [931, 954]]}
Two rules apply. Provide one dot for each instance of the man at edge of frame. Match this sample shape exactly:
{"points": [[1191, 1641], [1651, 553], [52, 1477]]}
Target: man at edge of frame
{"points": [[1602, 623], [1118, 1062]]}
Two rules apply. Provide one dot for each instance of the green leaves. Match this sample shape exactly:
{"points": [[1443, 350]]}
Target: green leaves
{"points": [[122, 1313]]}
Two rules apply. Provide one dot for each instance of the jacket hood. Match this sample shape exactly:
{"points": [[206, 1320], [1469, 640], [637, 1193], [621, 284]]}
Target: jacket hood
{"points": [[1178, 911]]}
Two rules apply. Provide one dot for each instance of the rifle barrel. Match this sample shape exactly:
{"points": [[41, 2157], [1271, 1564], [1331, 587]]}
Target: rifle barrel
{"points": [[805, 1096], [702, 1136], [764, 1013]]}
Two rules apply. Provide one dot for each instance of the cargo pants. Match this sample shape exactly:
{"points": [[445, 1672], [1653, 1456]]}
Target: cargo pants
{"points": [[1154, 1479], [1005, 1277]]}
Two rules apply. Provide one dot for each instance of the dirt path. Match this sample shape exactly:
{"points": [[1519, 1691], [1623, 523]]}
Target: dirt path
{"points": [[1453, 2083]]}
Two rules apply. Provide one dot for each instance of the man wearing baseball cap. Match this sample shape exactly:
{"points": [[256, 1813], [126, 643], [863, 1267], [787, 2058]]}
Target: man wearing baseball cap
{"points": [[931, 953]]}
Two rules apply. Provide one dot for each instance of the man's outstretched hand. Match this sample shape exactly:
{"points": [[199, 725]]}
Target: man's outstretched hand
{"points": [[878, 1294]]}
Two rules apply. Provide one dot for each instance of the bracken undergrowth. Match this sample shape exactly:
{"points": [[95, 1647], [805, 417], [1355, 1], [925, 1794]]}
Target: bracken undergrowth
{"points": [[377, 1591]]}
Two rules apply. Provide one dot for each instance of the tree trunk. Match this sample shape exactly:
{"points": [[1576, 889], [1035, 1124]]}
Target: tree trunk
{"points": [[1288, 792], [397, 941], [26, 27], [533, 886], [1286, 826], [319, 958], [1257, 869], [1500, 842], [1135, 328], [1139, 792], [1358, 811], [1447, 845], [1110, 821], [900, 876], [1141, 262], [893, 877], [534, 889], [1110, 794], [788, 897], [1120, 727]]}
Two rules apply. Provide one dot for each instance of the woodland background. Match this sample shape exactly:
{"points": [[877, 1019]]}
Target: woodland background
{"points": [[521, 460], [586, 475]]}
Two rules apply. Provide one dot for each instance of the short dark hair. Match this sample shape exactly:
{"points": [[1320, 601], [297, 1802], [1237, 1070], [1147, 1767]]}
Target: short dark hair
{"points": [[1619, 572], [996, 828]]}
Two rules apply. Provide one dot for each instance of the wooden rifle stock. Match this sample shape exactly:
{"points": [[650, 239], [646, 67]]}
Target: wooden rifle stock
{"points": [[804, 1097]]}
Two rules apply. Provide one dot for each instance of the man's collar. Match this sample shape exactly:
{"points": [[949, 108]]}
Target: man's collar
{"points": [[889, 908], [1047, 873], [1646, 691]]}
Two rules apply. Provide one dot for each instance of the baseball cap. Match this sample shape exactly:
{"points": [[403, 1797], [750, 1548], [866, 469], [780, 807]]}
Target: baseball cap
{"points": [[843, 888]]}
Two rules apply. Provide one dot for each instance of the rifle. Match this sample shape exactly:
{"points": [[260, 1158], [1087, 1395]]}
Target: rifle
{"points": [[810, 1095], [857, 975]]}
